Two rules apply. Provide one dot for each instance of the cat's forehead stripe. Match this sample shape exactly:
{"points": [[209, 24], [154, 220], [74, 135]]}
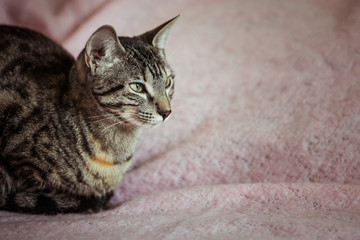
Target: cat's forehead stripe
{"points": [[147, 75], [147, 58], [165, 71]]}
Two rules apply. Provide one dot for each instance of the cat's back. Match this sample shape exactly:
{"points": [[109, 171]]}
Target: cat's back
{"points": [[30, 62]]}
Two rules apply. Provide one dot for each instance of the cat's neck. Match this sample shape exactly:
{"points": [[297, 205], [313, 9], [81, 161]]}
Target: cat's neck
{"points": [[108, 130], [79, 92]]}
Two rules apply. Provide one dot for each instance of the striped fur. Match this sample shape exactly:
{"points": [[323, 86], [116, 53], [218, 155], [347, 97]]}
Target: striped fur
{"points": [[69, 128]]}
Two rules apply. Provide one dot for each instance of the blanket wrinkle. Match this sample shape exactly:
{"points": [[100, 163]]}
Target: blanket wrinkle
{"points": [[56, 19]]}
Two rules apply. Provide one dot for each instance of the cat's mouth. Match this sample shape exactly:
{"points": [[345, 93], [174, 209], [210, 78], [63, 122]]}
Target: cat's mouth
{"points": [[148, 120]]}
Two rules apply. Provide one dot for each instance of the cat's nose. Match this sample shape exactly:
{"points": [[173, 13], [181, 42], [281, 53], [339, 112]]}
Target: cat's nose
{"points": [[165, 113]]}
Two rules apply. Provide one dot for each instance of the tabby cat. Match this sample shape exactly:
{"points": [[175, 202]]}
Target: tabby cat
{"points": [[68, 128]]}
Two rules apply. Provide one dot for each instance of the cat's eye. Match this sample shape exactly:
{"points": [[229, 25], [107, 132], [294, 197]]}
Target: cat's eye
{"points": [[168, 82], [137, 87]]}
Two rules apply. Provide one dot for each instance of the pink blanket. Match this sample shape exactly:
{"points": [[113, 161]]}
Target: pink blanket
{"points": [[264, 139]]}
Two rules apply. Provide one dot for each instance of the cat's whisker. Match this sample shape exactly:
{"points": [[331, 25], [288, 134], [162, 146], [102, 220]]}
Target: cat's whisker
{"points": [[112, 125], [101, 115], [129, 114], [101, 120]]}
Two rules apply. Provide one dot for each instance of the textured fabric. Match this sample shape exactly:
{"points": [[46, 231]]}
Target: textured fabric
{"points": [[263, 141]]}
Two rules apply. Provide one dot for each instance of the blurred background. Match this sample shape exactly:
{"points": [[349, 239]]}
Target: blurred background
{"points": [[263, 140]]}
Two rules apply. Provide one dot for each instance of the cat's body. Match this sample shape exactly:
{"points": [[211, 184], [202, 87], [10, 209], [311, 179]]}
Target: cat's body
{"points": [[68, 129]]}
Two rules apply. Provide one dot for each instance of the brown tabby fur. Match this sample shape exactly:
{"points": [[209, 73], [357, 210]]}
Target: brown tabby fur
{"points": [[68, 129]]}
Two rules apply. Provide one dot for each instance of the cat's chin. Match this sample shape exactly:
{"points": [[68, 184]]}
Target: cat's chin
{"points": [[151, 125], [148, 125]]}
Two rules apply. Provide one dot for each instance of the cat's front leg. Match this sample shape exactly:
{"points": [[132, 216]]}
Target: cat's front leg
{"points": [[52, 202]]}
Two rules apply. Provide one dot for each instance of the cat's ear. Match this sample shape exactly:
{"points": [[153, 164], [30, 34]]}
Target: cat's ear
{"points": [[102, 49], [158, 36]]}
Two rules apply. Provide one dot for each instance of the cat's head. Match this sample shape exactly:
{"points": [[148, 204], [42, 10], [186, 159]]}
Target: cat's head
{"points": [[129, 77]]}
